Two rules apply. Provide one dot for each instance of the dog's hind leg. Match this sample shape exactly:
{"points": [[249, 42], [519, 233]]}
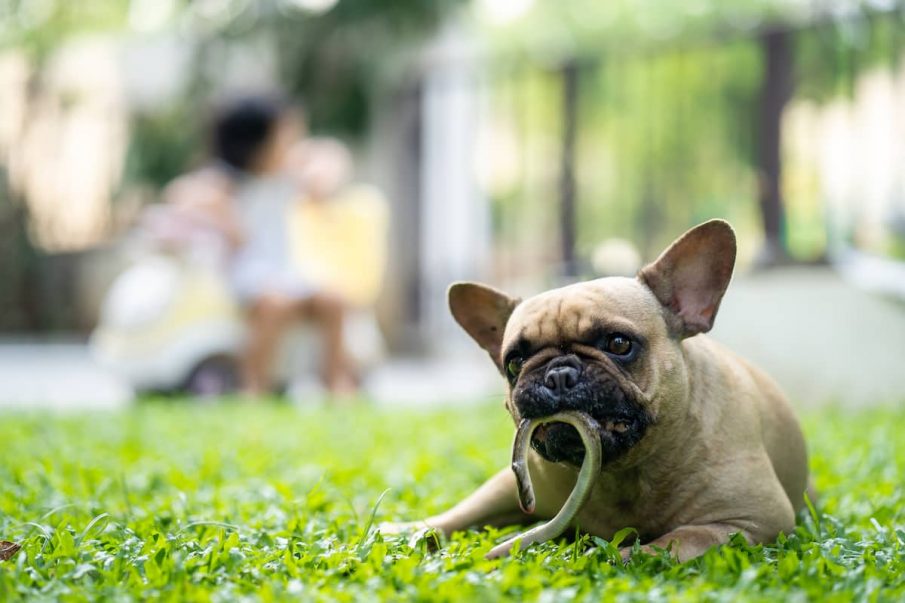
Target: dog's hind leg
{"points": [[688, 542]]}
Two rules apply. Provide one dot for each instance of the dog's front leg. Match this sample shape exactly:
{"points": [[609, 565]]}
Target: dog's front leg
{"points": [[495, 503], [688, 542]]}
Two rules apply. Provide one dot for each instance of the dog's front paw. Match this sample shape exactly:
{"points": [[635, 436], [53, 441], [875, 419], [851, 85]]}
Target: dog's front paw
{"points": [[626, 554], [399, 528], [417, 533]]}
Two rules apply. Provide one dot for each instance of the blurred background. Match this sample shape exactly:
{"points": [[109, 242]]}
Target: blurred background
{"points": [[525, 143]]}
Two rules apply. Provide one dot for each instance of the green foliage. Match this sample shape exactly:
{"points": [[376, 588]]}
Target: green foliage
{"points": [[669, 111], [831, 56], [161, 145], [39, 27], [197, 503], [678, 144], [665, 140], [335, 61], [340, 61], [551, 28]]}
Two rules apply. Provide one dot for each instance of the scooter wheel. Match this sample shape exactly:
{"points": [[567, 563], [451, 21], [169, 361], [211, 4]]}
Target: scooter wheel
{"points": [[212, 377]]}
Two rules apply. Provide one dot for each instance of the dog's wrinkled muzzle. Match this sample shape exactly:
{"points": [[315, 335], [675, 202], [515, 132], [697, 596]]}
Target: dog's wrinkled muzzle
{"points": [[566, 384]]}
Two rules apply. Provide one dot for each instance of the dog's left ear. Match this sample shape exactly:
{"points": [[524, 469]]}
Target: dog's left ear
{"points": [[483, 312], [691, 276]]}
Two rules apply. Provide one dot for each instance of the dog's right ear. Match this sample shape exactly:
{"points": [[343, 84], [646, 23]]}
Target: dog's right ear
{"points": [[483, 312]]}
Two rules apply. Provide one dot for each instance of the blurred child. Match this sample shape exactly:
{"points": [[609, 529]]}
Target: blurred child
{"points": [[259, 171]]}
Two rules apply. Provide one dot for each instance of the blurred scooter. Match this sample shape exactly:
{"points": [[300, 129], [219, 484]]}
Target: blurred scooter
{"points": [[170, 324]]}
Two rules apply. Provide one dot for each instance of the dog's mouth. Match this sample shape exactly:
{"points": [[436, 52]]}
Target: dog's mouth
{"points": [[560, 442], [614, 402]]}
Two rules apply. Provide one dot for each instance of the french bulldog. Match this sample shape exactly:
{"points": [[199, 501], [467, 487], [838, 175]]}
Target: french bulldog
{"points": [[697, 443]]}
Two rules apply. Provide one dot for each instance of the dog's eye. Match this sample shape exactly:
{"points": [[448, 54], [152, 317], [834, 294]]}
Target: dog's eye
{"points": [[618, 345], [514, 366]]}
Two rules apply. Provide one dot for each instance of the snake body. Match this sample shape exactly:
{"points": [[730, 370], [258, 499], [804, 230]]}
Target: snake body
{"points": [[588, 430]]}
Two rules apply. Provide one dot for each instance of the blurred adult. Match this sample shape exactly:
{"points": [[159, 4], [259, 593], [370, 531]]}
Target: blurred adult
{"points": [[259, 169]]}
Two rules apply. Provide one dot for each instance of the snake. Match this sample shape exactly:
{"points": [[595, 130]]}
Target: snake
{"points": [[588, 429]]}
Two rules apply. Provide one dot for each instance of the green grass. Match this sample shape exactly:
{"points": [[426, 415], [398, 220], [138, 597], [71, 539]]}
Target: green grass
{"points": [[223, 502]]}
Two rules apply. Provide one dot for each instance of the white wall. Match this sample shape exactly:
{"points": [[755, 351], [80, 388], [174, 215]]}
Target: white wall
{"points": [[455, 216]]}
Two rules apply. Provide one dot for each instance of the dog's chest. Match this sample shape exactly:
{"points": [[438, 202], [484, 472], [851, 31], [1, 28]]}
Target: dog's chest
{"points": [[652, 502], [617, 504]]}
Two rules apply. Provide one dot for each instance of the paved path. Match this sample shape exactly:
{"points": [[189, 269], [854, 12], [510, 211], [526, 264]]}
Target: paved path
{"points": [[823, 340], [59, 376]]}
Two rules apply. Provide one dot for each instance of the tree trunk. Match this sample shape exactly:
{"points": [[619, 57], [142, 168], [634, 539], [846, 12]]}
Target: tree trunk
{"points": [[776, 90], [567, 167]]}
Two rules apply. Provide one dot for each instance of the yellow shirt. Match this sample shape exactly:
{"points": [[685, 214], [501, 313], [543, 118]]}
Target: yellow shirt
{"points": [[340, 244]]}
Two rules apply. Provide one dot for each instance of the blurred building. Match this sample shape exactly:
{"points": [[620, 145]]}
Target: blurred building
{"points": [[511, 137]]}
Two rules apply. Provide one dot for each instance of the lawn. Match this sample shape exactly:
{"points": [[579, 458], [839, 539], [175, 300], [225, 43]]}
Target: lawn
{"points": [[222, 502]]}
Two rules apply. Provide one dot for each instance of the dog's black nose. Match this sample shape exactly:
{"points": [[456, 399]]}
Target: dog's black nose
{"points": [[562, 375]]}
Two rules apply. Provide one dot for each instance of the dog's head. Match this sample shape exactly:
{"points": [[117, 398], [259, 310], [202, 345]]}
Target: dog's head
{"points": [[609, 347]]}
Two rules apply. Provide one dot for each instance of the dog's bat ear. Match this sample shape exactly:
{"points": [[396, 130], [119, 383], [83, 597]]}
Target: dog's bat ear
{"points": [[691, 276], [483, 312]]}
